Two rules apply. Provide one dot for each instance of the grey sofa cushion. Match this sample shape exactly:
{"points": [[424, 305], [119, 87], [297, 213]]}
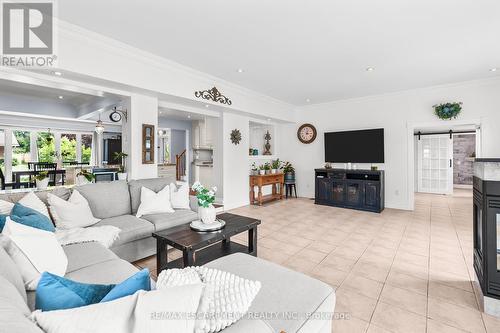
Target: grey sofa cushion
{"points": [[13, 321], [154, 184], [107, 199], [132, 228], [9, 294], [62, 192], [107, 272], [13, 310], [168, 220], [86, 254], [9, 271], [282, 290]]}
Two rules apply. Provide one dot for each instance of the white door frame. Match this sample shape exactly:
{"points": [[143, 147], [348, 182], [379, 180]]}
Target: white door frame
{"points": [[437, 126]]}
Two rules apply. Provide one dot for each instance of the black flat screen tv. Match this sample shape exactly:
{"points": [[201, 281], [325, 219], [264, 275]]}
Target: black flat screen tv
{"points": [[363, 146]]}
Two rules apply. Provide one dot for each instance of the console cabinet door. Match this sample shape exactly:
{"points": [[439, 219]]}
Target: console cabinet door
{"points": [[323, 190], [354, 193], [372, 195], [338, 192]]}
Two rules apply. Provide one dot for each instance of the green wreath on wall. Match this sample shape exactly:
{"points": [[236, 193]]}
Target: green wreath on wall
{"points": [[448, 111]]}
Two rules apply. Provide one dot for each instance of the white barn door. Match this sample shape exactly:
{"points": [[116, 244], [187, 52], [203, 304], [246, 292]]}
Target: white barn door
{"points": [[435, 164]]}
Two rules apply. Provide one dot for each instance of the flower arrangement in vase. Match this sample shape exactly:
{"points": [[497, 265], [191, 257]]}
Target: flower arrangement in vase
{"points": [[206, 198]]}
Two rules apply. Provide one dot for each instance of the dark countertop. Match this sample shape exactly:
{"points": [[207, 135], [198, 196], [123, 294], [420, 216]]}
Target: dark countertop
{"points": [[494, 160]]}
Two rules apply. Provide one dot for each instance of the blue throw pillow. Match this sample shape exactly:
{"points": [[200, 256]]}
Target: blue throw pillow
{"points": [[3, 218], [58, 293], [138, 281], [30, 217]]}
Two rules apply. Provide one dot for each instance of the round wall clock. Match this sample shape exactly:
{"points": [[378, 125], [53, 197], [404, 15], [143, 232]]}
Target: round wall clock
{"points": [[115, 116], [306, 133]]}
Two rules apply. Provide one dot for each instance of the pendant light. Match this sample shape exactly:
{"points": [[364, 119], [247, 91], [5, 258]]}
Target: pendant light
{"points": [[99, 127]]}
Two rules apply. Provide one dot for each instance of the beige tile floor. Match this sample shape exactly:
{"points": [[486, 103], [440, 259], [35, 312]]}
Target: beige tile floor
{"points": [[398, 271]]}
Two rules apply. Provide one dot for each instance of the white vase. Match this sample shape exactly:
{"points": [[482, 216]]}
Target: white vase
{"points": [[122, 176], [273, 171], [207, 215], [42, 184], [262, 172]]}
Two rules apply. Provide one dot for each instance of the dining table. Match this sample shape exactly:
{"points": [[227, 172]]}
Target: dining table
{"points": [[16, 175]]}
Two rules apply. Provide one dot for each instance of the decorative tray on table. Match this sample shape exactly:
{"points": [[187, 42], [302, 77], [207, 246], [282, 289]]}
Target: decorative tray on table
{"points": [[200, 226]]}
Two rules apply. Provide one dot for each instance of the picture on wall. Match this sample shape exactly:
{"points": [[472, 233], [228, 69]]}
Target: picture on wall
{"points": [[148, 139]]}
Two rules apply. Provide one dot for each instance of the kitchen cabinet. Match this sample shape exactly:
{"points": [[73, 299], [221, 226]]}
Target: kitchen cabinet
{"points": [[204, 132]]}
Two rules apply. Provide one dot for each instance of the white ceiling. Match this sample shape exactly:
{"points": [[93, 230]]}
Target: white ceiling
{"points": [[310, 49], [20, 89]]}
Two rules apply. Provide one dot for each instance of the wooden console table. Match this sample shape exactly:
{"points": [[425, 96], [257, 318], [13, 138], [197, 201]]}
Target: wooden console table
{"points": [[276, 180]]}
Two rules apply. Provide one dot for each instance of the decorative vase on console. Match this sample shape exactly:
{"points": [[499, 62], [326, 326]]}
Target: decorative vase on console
{"points": [[206, 198]]}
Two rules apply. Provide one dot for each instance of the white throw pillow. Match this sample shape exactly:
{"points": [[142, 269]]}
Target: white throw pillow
{"points": [[74, 213], [31, 200], [225, 299], [145, 311], [34, 251], [5, 207], [154, 203], [179, 196]]}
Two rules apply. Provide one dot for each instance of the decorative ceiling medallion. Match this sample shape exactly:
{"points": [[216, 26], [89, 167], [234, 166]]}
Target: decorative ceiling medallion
{"points": [[214, 95]]}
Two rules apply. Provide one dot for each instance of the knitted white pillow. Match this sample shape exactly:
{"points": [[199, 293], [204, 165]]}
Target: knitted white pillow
{"points": [[225, 299]]}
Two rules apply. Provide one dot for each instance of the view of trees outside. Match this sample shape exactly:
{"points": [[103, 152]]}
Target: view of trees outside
{"points": [[46, 147], [21, 154], [86, 147]]}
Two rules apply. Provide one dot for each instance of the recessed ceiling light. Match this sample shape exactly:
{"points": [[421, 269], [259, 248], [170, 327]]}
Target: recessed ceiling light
{"points": [[308, 100], [206, 105], [57, 73], [268, 119], [60, 97], [189, 116], [370, 69], [240, 70], [493, 69]]}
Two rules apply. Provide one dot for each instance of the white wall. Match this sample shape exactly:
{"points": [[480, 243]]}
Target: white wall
{"points": [[235, 161], [395, 113], [142, 110]]}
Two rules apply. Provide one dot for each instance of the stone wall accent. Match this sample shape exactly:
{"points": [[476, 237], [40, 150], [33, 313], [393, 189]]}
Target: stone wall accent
{"points": [[464, 147]]}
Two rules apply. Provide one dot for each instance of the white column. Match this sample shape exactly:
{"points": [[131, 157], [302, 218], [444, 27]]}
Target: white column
{"points": [[142, 110], [98, 145], [8, 155], [57, 145], [78, 147], [33, 146]]}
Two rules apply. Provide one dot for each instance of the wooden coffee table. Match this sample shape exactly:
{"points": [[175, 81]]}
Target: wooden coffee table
{"points": [[198, 248]]}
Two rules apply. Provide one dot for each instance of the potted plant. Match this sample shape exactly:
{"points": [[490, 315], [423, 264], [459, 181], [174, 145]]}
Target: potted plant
{"points": [[84, 177], [267, 168], [289, 172], [275, 166], [255, 170], [42, 180], [122, 175], [206, 198], [262, 169]]}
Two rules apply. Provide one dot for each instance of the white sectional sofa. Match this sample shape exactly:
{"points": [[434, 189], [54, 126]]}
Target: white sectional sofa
{"points": [[284, 303]]}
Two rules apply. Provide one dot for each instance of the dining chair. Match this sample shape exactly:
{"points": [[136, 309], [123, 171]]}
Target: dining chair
{"points": [[4, 185]]}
